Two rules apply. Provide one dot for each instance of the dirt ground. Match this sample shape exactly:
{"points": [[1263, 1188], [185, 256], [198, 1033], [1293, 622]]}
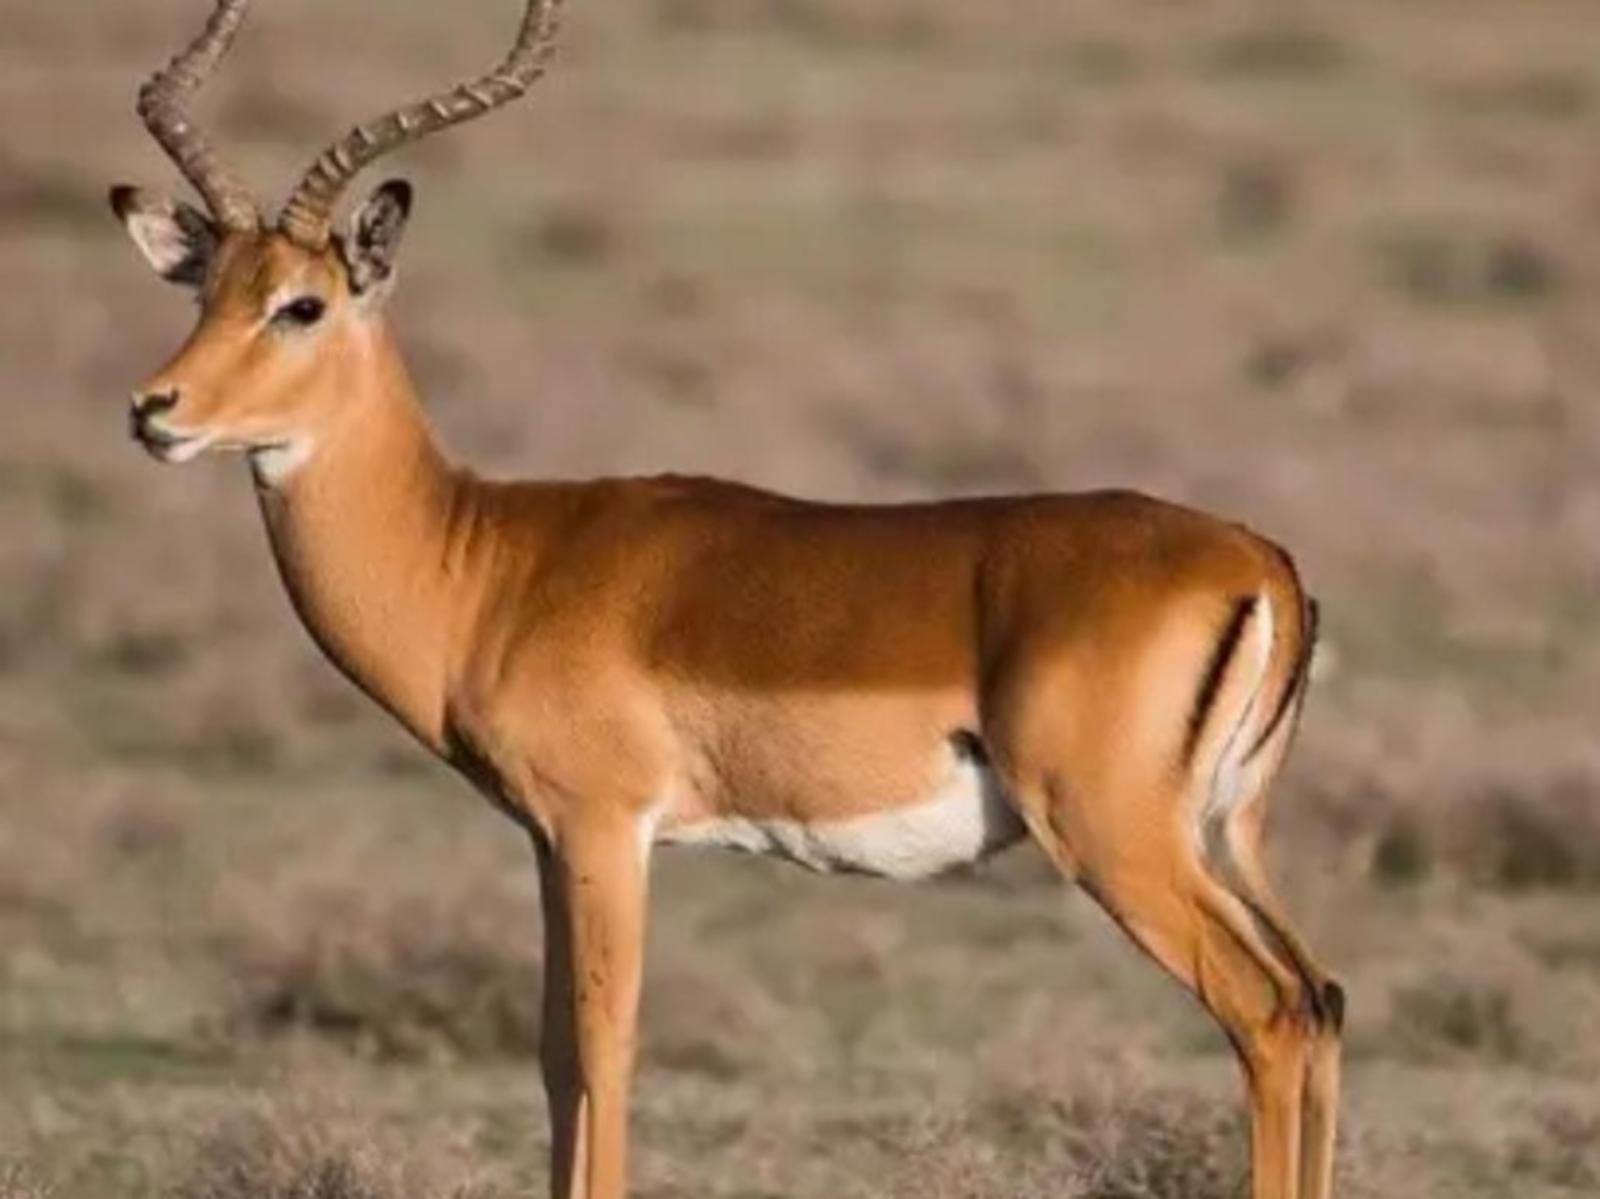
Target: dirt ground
{"points": [[1330, 268]]}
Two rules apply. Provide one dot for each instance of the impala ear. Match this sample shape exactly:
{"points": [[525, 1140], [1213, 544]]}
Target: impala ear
{"points": [[178, 240], [370, 244]]}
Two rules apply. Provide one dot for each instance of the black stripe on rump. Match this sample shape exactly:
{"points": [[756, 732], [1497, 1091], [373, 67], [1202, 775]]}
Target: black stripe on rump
{"points": [[1216, 670]]}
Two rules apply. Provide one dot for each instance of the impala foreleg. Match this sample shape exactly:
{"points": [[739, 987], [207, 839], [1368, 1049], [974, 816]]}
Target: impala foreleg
{"points": [[593, 884], [558, 1043]]}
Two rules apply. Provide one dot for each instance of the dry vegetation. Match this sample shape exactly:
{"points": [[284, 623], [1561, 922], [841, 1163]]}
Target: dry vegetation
{"points": [[317, 1152], [1333, 268]]}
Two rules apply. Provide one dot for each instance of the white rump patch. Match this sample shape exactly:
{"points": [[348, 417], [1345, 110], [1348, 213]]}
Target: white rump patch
{"points": [[966, 819], [1230, 783]]}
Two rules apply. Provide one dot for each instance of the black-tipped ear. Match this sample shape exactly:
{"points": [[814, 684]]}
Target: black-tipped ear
{"points": [[178, 240], [373, 239]]}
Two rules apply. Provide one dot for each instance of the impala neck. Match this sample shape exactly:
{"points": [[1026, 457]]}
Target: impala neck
{"points": [[361, 530]]}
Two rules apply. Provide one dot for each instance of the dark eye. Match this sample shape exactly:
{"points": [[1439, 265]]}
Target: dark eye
{"points": [[307, 310]]}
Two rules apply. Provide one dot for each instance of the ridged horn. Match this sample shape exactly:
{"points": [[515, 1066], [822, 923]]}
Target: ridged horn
{"points": [[163, 107], [307, 217]]}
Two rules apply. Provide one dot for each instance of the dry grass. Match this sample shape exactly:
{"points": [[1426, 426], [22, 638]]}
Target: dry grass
{"points": [[1444, 1017], [15, 1183], [1168, 1150], [1143, 1144], [314, 1155], [1517, 838], [1333, 272], [401, 977], [1564, 1149]]}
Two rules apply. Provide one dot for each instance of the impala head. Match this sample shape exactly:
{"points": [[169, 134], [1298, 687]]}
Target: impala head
{"points": [[283, 305]]}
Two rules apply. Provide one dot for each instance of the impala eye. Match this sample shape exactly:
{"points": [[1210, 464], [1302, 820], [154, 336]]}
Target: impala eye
{"points": [[307, 310]]}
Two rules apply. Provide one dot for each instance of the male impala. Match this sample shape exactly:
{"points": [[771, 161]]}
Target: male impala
{"points": [[626, 662]]}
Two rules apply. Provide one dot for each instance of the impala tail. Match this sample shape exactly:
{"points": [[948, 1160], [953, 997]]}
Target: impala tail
{"points": [[1249, 698], [1245, 713]]}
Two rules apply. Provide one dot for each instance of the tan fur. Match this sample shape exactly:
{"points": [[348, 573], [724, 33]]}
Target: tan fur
{"points": [[614, 660]]}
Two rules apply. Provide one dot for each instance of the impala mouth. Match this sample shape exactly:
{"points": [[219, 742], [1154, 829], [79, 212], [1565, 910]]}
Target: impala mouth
{"points": [[163, 444]]}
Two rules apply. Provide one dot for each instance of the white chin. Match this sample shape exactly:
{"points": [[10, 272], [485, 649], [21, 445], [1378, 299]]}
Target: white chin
{"points": [[179, 452]]}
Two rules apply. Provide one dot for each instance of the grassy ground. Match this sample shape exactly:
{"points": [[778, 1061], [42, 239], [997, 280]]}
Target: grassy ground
{"points": [[1331, 268]]}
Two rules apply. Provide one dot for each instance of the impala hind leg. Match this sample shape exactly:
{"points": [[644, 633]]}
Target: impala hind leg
{"points": [[1319, 1127], [593, 888], [1156, 887], [1320, 1121]]}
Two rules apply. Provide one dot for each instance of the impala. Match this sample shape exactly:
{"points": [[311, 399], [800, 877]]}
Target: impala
{"points": [[628, 662]]}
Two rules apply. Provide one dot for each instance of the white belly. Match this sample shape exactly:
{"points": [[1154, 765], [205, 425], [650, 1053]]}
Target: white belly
{"points": [[966, 818]]}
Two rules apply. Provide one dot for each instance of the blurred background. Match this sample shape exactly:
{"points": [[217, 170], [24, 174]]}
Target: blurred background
{"points": [[1332, 269]]}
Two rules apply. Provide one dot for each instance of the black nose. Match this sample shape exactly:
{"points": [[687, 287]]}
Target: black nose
{"points": [[154, 403], [146, 406]]}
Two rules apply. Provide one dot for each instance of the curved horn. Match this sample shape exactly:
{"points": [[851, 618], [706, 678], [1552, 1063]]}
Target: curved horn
{"points": [[307, 216], [163, 107]]}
